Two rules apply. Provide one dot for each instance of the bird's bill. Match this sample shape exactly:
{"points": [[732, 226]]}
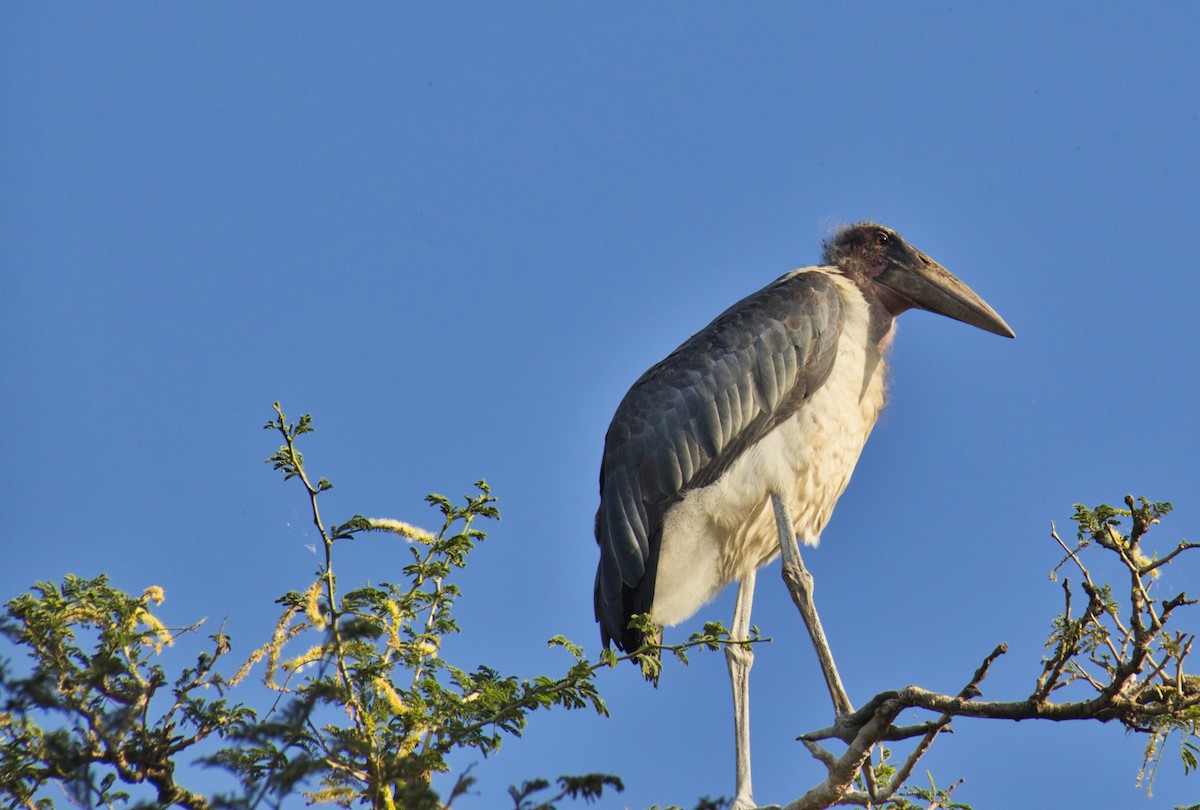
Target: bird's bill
{"points": [[927, 285]]}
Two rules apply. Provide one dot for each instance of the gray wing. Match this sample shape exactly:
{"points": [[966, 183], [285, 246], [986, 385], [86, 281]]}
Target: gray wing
{"points": [[687, 418]]}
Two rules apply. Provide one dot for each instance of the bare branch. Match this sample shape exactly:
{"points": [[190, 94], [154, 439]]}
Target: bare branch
{"points": [[836, 786], [971, 690], [1159, 563]]}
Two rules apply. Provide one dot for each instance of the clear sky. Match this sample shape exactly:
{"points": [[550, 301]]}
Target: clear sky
{"points": [[456, 233]]}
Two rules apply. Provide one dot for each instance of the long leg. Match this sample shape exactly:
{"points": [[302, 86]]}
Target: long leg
{"points": [[740, 659], [800, 586]]}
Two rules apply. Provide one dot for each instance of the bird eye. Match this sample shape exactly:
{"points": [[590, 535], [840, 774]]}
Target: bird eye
{"points": [[882, 239]]}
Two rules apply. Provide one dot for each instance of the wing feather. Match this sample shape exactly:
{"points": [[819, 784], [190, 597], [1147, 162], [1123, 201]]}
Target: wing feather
{"points": [[688, 417]]}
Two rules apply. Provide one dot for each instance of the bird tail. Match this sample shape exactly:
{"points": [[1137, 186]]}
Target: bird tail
{"points": [[640, 637]]}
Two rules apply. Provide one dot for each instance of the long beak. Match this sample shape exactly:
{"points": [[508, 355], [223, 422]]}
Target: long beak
{"points": [[927, 285]]}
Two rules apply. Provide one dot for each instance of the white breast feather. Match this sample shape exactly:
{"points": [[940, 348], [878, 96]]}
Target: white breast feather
{"points": [[717, 534]]}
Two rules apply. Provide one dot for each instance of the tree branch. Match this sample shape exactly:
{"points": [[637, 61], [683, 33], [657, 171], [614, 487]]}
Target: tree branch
{"points": [[1144, 686]]}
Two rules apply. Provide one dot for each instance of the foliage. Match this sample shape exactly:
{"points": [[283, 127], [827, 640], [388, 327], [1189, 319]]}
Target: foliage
{"points": [[364, 710], [400, 708], [588, 787], [392, 708], [93, 650]]}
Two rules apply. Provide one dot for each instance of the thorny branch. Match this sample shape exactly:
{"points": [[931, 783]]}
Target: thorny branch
{"points": [[1134, 671]]}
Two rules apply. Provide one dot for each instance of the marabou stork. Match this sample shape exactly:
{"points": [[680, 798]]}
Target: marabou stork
{"points": [[761, 414]]}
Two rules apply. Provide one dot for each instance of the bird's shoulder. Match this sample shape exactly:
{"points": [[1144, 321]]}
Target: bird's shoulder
{"points": [[794, 305], [791, 314]]}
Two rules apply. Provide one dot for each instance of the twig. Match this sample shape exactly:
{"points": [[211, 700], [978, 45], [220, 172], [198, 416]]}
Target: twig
{"points": [[1183, 546]]}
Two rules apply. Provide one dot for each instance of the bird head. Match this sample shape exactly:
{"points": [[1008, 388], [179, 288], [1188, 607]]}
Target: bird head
{"points": [[896, 276]]}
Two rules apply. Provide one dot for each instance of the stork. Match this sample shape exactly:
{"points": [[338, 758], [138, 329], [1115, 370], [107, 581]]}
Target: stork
{"points": [[743, 438]]}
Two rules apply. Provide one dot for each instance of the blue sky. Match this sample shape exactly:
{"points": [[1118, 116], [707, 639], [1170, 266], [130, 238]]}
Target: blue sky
{"points": [[456, 233]]}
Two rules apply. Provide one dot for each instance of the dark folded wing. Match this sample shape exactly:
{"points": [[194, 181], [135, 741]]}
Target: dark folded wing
{"points": [[687, 418]]}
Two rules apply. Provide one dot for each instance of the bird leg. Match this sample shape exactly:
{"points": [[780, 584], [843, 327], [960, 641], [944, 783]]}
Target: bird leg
{"points": [[800, 586], [799, 583], [740, 658]]}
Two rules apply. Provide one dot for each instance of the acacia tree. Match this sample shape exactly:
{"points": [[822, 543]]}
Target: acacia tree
{"points": [[362, 709]]}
